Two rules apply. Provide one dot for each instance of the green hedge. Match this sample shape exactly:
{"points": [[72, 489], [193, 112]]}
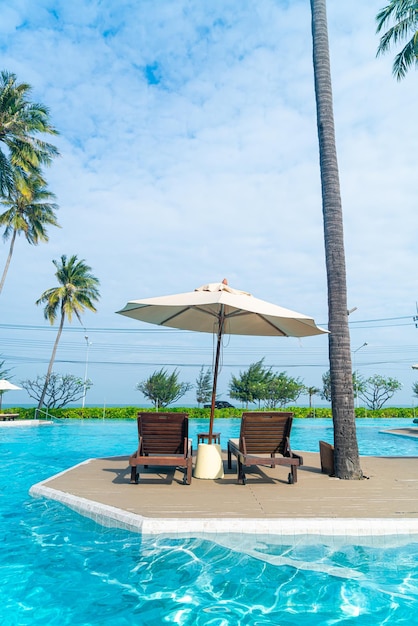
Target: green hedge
{"points": [[130, 412]]}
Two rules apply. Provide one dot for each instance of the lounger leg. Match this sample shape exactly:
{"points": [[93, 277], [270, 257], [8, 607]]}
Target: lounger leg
{"points": [[134, 475], [188, 474], [293, 476], [241, 474], [229, 457]]}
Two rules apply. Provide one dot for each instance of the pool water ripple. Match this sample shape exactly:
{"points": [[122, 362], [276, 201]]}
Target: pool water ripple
{"points": [[59, 568]]}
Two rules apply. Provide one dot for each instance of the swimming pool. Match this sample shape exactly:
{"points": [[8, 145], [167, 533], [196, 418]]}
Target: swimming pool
{"points": [[61, 568]]}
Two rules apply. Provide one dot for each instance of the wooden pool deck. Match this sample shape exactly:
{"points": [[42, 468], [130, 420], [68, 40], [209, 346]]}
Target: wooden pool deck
{"points": [[386, 502]]}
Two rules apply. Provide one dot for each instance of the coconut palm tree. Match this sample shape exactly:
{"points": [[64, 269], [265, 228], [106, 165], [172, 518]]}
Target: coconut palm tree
{"points": [[29, 212], [403, 14], [311, 391], [21, 121], [77, 291], [347, 462]]}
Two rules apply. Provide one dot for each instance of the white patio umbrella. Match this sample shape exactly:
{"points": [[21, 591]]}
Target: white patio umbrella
{"points": [[219, 309], [5, 385]]}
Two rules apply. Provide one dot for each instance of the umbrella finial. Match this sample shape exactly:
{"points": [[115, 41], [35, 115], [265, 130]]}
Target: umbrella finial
{"points": [[225, 281]]}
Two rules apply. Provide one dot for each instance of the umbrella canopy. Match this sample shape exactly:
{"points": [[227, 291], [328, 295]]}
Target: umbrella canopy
{"points": [[5, 385], [219, 309]]}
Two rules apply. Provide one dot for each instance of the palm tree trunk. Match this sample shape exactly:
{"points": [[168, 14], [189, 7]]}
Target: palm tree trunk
{"points": [[51, 362], [347, 462], [9, 258]]}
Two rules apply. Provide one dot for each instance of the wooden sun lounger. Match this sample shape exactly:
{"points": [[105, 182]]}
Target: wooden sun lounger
{"points": [[163, 441], [8, 416], [326, 455], [262, 436]]}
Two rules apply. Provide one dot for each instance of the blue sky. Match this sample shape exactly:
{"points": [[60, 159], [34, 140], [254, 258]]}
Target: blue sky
{"points": [[188, 154]]}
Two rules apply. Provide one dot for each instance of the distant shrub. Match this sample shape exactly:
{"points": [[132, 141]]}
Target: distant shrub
{"points": [[130, 412]]}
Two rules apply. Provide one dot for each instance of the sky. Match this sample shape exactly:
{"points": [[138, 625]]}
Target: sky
{"points": [[189, 154]]}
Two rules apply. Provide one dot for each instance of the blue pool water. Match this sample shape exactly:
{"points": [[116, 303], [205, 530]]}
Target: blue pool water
{"points": [[61, 568]]}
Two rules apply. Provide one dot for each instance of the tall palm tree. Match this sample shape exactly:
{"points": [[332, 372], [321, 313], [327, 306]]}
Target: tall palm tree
{"points": [[77, 291], [404, 16], [347, 462], [29, 212], [21, 121]]}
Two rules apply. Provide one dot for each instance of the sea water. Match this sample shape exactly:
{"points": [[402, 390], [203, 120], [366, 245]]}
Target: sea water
{"points": [[61, 568]]}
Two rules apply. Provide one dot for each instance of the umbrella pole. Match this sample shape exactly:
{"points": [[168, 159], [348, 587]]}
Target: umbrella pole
{"points": [[215, 374]]}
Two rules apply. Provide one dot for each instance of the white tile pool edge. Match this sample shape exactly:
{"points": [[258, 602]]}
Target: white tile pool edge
{"points": [[22, 423], [113, 517]]}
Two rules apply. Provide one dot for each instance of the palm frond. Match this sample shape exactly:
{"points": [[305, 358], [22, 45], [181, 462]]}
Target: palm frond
{"points": [[77, 292], [403, 14], [22, 124], [404, 60], [28, 211]]}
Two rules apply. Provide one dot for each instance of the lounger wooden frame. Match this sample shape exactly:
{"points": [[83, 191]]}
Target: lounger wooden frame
{"points": [[163, 440], [262, 436]]}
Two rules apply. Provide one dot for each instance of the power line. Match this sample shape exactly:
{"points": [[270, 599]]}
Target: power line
{"points": [[162, 329], [383, 319], [75, 329]]}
